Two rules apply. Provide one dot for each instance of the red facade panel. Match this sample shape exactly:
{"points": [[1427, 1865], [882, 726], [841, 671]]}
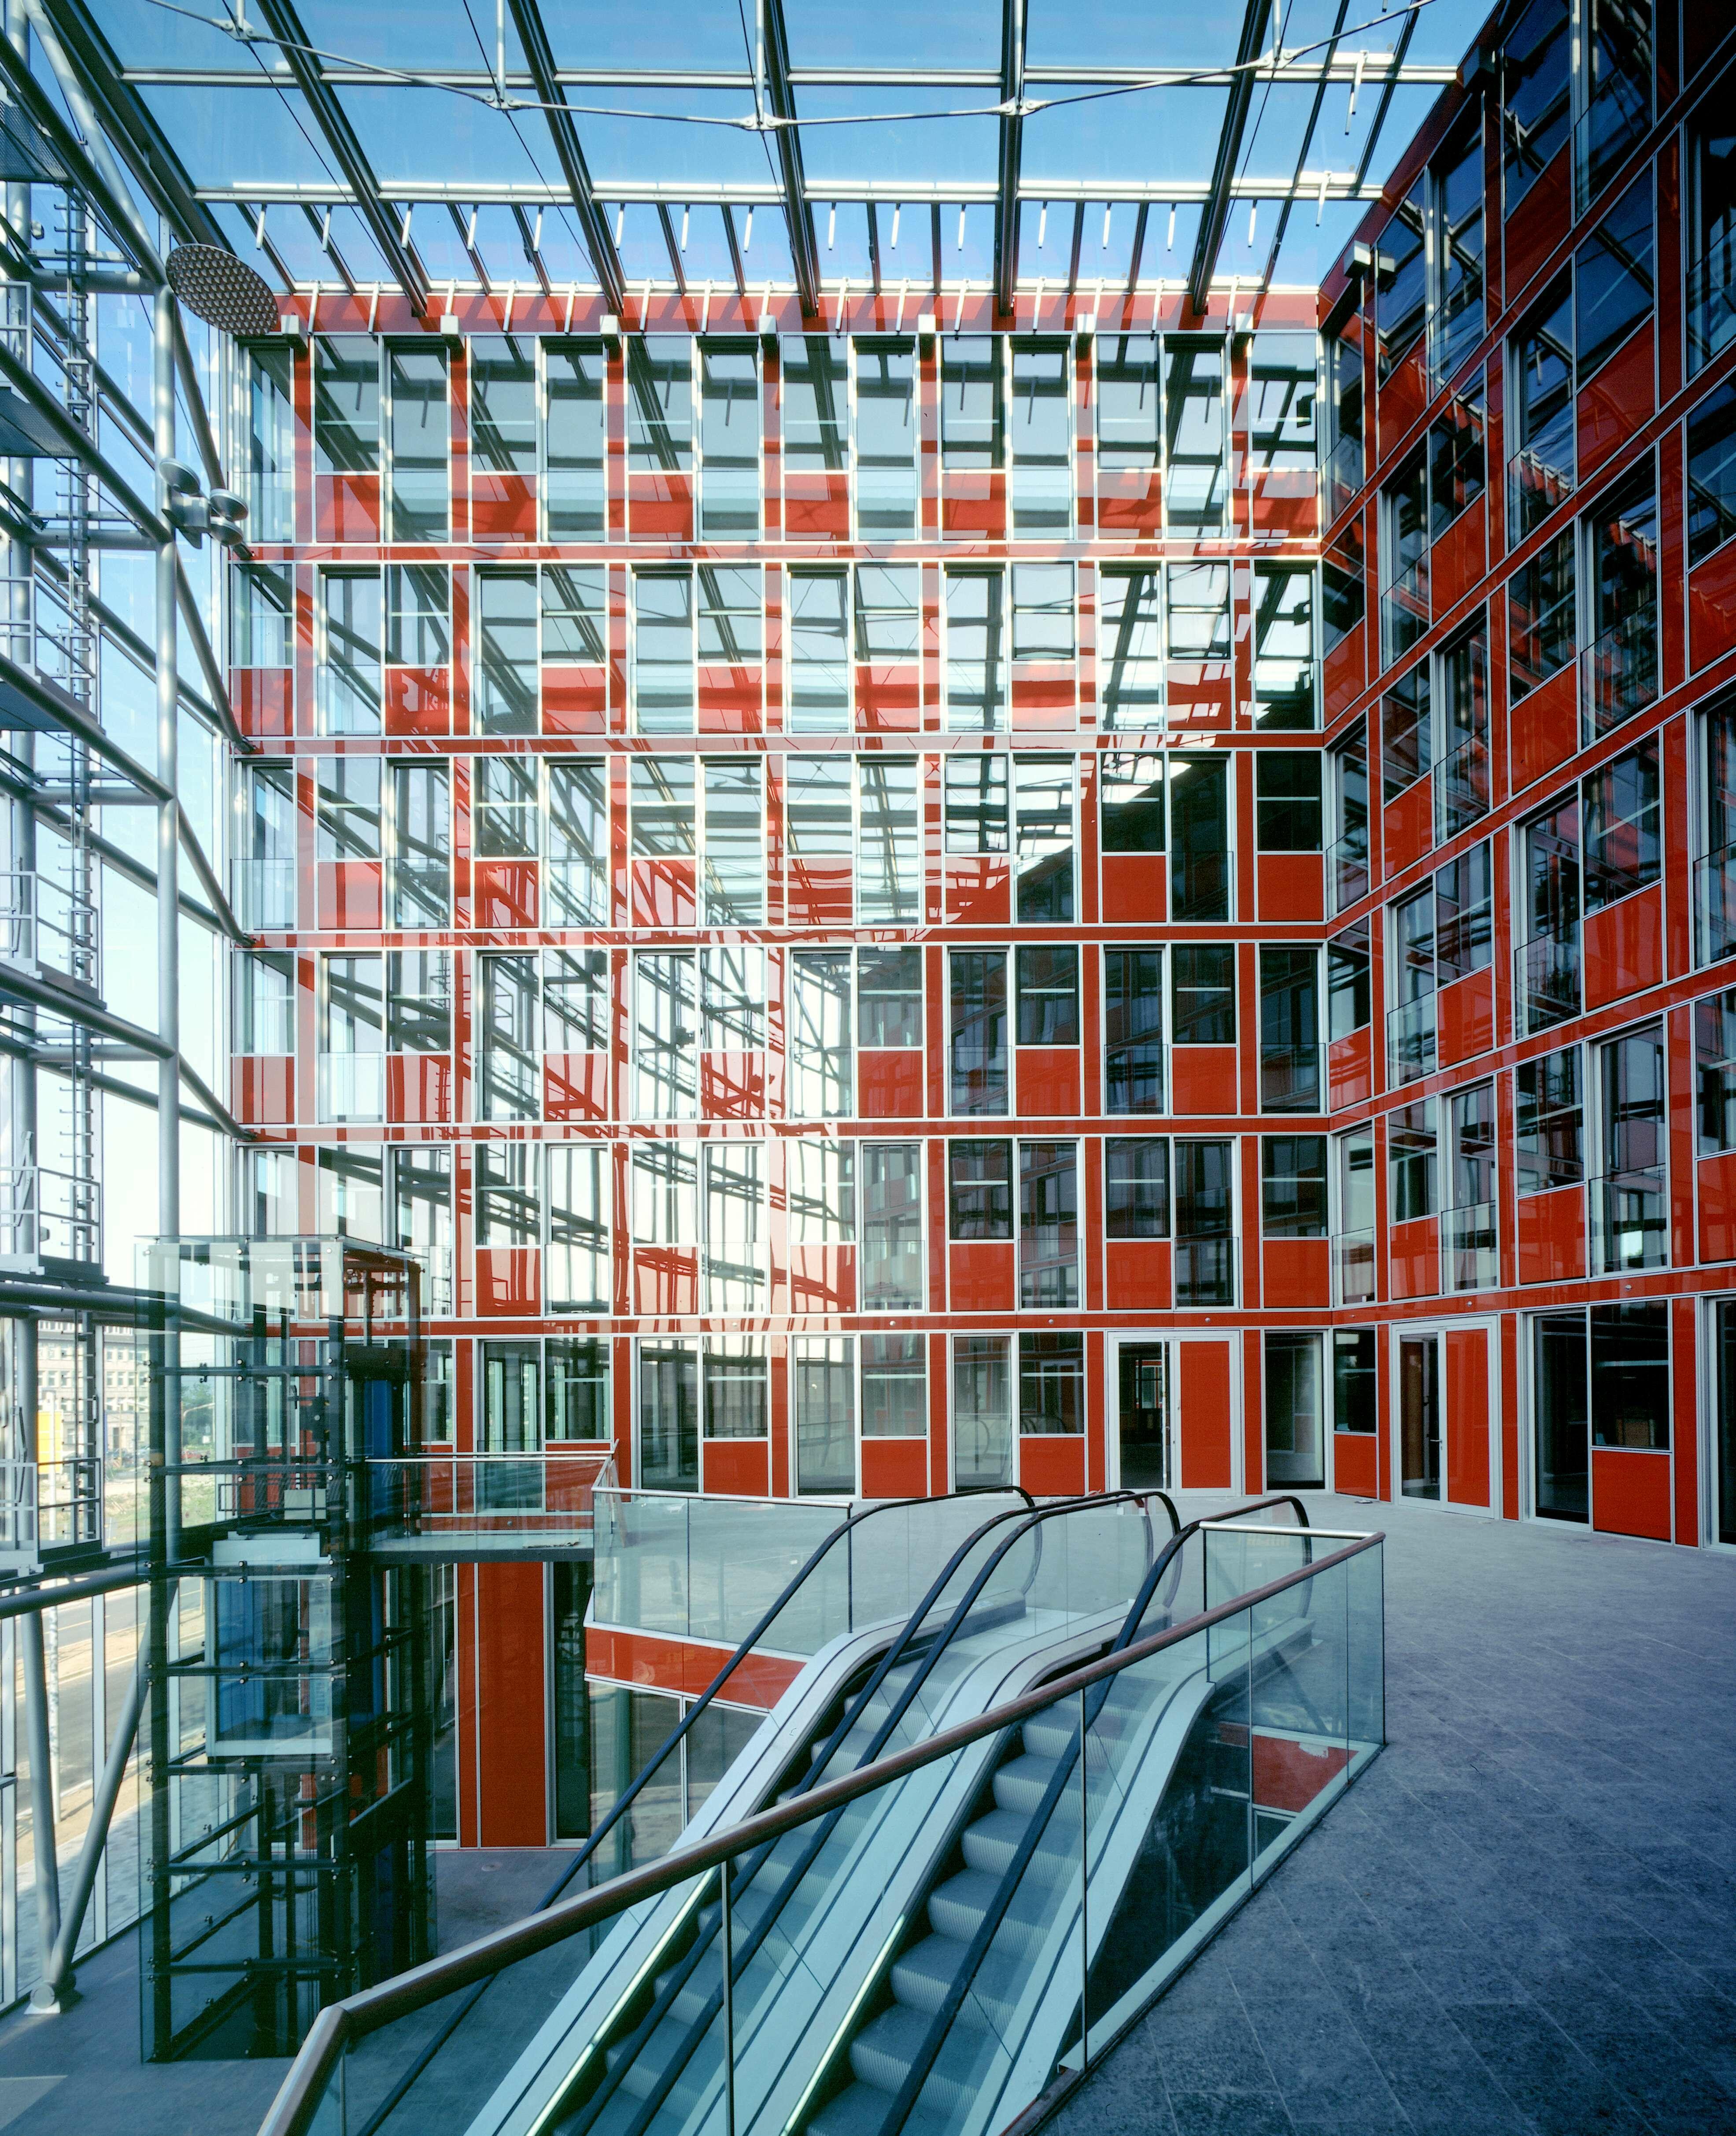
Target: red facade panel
{"points": [[1631, 1493], [1624, 947], [1552, 1243]]}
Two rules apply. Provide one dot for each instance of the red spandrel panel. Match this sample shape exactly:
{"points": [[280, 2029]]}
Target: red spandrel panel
{"points": [[1631, 1493], [261, 699], [1355, 1469], [816, 506], [419, 1088], [978, 892], [1343, 676], [1051, 1466], [502, 507], [1349, 1067], [889, 1084], [1137, 1275], [821, 894], [1712, 608], [736, 1468], [574, 701], [262, 1089], [889, 698], [1407, 825], [1617, 402], [1413, 1254], [822, 1279], [346, 508], [1204, 1077], [981, 1277], [972, 505], [1046, 1082], [1291, 886], [1459, 558], [1716, 1177], [1543, 728], [732, 1086], [1136, 889], [1624, 947], [1129, 501], [350, 894], [418, 700], [665, 1280], [1552, 1235], [576, 1086], [894, 1468], [508, 1281], [1200, 693], [1297, 1274], [660, 507], [1465, 1017], [505, 893], [1538, 224], [663, 893]]}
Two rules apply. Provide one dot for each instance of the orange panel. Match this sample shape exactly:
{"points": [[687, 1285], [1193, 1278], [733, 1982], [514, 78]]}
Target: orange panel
{"points": [[1288, 1774], [664, 892], [980, 892], [1538, 225], [351, 893], [418, 700], [508, 1281], [1465, 1017], [1136, 889], [972, 504], [1631, 1493], [889, 699], [1624, 947], [660, 507], [502, 507], [732, 1086], [1460, 558], [346, 508], [574, 701], [262, 1089], [1355, 1464], [889, 1085], [1045, 697], [1204, 1409], [419, 1087], [1407, 825], [1543, 728], [510, 1658], [1712, 607], [1297, 1274], [665, 1279], [1051, 1465], [1349, 1067], [504, 893], [1552, 1235], [816, 506], [981, 1276], [1286, 500], [576, 1086], [822, 1279], [1401, 398], [1467, 1416], [759, 1680], [1414, 1257], [736, 1467], [261, 699], [1046, 1082], [894, 1468], [1136, 1273], [1617, 401], [1200, 692], [1130, 500], [821, 894], [1343, 680], [1204, 1077], [1717, 1182], [1291, 886]]}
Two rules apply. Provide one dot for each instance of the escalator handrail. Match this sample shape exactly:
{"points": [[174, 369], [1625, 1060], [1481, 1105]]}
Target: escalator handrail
{"points": [[341, 2024], [1178, 1542]]}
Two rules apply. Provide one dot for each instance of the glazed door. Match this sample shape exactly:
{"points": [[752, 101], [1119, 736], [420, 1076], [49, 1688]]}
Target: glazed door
{"points": [[1419, 1416], [1143, 1411]]}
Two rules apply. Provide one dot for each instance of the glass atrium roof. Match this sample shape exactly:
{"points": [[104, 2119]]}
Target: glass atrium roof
{"points": [[755, 145]]}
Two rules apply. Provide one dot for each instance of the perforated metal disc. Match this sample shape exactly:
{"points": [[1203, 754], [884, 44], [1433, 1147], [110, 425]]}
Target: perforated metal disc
{"points": [[222, 289]]}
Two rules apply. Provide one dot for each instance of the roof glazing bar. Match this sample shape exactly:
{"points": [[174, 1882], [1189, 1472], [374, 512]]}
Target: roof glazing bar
{"points": [[604, 258], [804, 249], [1012, 149], [1229, 151]]}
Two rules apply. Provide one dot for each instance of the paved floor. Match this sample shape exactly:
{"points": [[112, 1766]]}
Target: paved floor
{"points": [[1522, 1921]]}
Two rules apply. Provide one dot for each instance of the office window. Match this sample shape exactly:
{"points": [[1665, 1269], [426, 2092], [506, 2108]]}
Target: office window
{"points": [[1347, 869], [979, 1190], [1401, 281], [822, 1188], [660, 404], [891, 1177], [1349, 1005], [1630, 1220], [348, 645], [1048, 1224], [1443, 932], [1714, 1051], [575, 1381], [1344, 440], [1615, 62], [268, 427], [1287, 801], [346, 404], [1356, 1381], [665, 1037], [347, 804], [978, 1055], [1043, 612], [1541, 418], [737, 1387], [574, 616], [973, 404], [1199, 611], [729, 440], [1205, 993], [814, 400], [975, 671], [976, 812], [664, 811], [1195, 488], [1284, 694], [1040, 431], [1293, 1186], [1456, 209], [419, 1001], [820, 695], [886, 439], [1405, 607], [1289, 1050], [1130, 803], [1048, 1004], [575, 1004], [1296, 1452], [509, 1076], [1283, 376], [1133, 1030], [1204, 1206], [505, 695], [506, 817], [1410, 1161], [982, 1412], [818, 808], [576, 878], [894, 1386], [264, 1002], [732, 833], [1540, 616], [888, 840], [352, 1196], [734, 1213], [1470, 1242], [823, 1386], [1136, 1187], [1549, 1121], [1458, 463], [668, 1416], [731, 604], [261, 611], [822, 1052], [663, 1185], [1613, 280], [503, 404], [1630, 1376], [1623, 837], [1712, 472], [1352, 1248], [262, 846], [1622, 665], [1052, 1385], [1200, 872], [731, 999], [508, 1194], [1549, 966], [419, 428], [1130, 402], [1710, 224], [1131, 647], [418, 615], [1461, 765], [1536, 110], [662, 652], [421, 1224], [889, 998], [574, 440], [1042, 839], [888, 612], [578, 1272]]}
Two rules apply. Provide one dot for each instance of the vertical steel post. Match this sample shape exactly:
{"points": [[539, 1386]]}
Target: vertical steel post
{"points": [[168, 913]]}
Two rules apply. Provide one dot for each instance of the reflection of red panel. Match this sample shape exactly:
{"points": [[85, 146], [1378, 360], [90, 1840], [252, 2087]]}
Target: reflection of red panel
{"points": [[1467, 1416], [972, 504], [1204, 1077], [1136, 1274], [1401, 398], [1355, 1465], [574, 701], [1624, 947], [1297, 1274], [508, 1281], [419, 1087], [1286, 500], [504, 893], [576, 1086], [732, 1086], [1051, 1465], [1199, 693], [1617, 401], [1631, 1493], [1716, 1177], [665, 1279], [262, 1089], [821, 894], [1414, 1253], [1130, 500], [889, 1085], [816, 506], [1045, 696], [1538, 225], [660, 507], [1046, 1082], [980, 1277], [350, 894], [510, 1754], [1349, 1067], [502, 506], [1543, 729], [418, 700], [1204, 1411], [1712, 607], [759, 1680], [822, 1279], [1459, 558], [894, 1468], [1342, 673], [735, 1466], [664, 892], [1552, 1235], [729, 700], [1135, 891], [1465, 1017], [346, 508], [1291, 886], [889, 698], [980, 892], [1288, 1774], [1407, 825], [261, 699]]}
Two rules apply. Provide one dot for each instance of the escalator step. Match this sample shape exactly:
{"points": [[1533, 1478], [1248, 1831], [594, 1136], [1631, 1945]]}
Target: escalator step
{"points": [[882, 2052], [991, 1842], [1020, 1782], [860, 2111], [956, 1907], [922, 1976], [1051, 1734]]}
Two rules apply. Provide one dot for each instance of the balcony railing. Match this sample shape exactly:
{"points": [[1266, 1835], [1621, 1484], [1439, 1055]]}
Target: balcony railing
{"points": [[1546, 980], [1404, 610], [19, 1545], [353, 1086], [1353, 1268], [56, 1215], [263, 893], [437, 1497], [1715, 904], [1711, 305], [1619, 673], [1630, 1220], [1347, 869], [1540, 476], [1410, 1038], [1461, 788], [47, 924], [1471, 1247], [1292, 1078]]}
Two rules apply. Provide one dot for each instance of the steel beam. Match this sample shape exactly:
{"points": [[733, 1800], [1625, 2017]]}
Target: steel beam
{"points": [[284, 25], [207, 661], [1385, 104], [113, 207], [1012, 150], [192, 394], [681, 192], [1217, 209], [24, 382], [593, 223], [798, 213], [1301, 158]]}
